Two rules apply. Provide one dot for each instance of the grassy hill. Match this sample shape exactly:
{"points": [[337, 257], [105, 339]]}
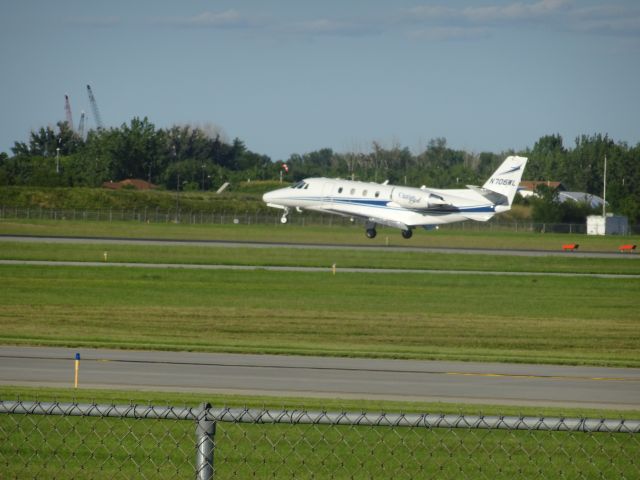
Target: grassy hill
{"points": [[245, 197]]}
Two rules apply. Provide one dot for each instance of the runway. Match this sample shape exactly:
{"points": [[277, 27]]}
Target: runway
{"points": [[247, 244], [325, 377]]}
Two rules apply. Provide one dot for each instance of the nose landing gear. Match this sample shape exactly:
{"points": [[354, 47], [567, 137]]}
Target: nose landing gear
{"points": [[285, 216]]}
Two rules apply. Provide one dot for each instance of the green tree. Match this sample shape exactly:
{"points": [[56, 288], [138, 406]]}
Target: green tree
{"points": [[586, 163], [546, 206], [134, 149], [546, 160]]}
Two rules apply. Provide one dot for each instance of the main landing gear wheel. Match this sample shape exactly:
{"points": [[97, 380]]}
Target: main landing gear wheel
{"points": [[407, 234], [371, 233]]}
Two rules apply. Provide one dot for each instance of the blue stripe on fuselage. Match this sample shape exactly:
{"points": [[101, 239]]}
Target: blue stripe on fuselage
{"points": [[362, 202]]}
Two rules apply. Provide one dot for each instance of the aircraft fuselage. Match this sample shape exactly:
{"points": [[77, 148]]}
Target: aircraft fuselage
{"points": [[399, 206]]}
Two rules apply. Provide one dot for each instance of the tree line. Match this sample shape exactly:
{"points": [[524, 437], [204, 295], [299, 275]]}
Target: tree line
{"points": [[195, 158]]}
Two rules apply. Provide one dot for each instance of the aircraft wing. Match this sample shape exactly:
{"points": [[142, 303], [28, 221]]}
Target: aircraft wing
{"points": [[380, 221], [388, 223]]}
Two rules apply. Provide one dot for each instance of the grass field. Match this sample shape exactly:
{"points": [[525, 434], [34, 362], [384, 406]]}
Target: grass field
{"points": [[114, 448], [110, 448], [193, 399], [351, 235], [317, 257], [564, 320], [573, 320]]}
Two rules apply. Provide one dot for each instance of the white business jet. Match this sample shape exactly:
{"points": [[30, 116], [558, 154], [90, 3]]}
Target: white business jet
{"points": [[402, 207]]}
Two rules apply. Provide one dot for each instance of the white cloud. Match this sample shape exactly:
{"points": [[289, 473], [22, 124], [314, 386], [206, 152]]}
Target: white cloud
{"points": [[432, 21], [450, 33], [491, 13], [230, 19], [324, 26], [570, 15], [517, 11], [607, 19]]}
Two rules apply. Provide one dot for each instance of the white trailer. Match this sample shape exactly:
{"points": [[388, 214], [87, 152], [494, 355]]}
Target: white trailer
{"points": [[607, 225]]}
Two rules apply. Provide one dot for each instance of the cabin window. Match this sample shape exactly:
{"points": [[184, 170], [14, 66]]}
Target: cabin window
{"points": [[353, 191], [377, 194], [306, 185], [340, 190], [364, 193]]}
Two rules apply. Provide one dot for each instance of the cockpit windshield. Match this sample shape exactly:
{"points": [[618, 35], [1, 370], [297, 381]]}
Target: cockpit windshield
{"points": [[300, 184]]}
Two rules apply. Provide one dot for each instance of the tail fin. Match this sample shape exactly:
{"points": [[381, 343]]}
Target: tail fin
{"points": [[506, 179]]}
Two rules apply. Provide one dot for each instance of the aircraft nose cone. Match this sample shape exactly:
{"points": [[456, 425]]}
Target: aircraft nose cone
{"points": [[267, 197]]}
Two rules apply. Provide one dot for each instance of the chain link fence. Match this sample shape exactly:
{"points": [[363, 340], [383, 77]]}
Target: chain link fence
{"points": [[261, 218], [68, 440]]}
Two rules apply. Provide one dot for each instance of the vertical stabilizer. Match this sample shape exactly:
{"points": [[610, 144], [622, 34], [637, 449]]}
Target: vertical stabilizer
{"points": [[506, 179]]}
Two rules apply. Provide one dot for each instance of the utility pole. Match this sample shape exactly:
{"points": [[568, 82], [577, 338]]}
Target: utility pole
{"points": [[58, 160], [604, 192], [178, 200]]}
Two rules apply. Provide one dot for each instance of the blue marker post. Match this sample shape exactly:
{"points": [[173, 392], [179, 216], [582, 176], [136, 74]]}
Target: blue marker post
{"points": [[77, 368]]}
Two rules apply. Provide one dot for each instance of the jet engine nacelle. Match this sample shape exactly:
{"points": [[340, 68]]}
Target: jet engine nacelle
{"points": [[416, 199]]}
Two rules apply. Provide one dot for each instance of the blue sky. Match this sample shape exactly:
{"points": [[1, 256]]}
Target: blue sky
{"points": [[295, 76]]}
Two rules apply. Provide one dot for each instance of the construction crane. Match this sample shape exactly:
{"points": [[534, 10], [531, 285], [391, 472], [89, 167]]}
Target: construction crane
{"points": [[81, 125], [67, 111], [94, 107]]}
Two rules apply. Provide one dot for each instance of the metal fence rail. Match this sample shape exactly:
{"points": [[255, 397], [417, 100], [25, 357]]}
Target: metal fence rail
{"points": [[261, 218], [69, 440], [484, 422]]}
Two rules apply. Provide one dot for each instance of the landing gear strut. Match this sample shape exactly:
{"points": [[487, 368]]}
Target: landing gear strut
{"points": [[407, 233], [370, 229], [285, 216]]}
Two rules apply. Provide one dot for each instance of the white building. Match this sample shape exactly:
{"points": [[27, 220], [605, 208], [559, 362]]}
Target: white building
{"points": [[528, 189], [594, 201]]}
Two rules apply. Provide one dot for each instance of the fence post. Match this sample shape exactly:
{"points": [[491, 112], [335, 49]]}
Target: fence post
{"points": [[205, 431]]}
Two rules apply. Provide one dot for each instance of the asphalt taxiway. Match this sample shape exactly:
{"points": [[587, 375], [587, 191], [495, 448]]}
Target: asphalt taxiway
{"points": [[326, 377]]}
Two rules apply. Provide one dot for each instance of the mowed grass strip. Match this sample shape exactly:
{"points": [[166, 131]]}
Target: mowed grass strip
{"points": [[106, 448], [463, 235], [493, 318], [222, 400], [314, 257]]}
